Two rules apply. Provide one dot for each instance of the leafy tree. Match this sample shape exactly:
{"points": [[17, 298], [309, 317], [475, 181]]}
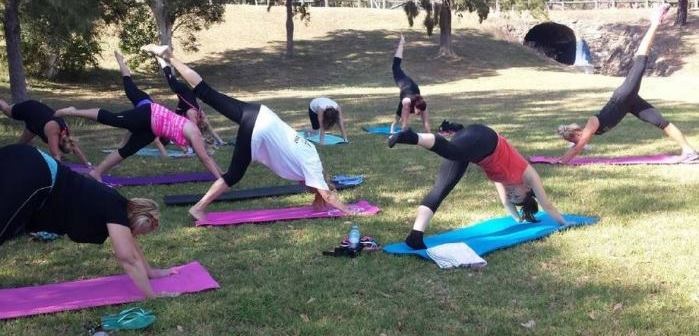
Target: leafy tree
{"points": [[160, 20], [438, 14], [60, 36]]}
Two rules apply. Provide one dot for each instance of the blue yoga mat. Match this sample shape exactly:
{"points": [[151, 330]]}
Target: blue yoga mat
{"points": [[381, 129], [348, 180], [494, 234], [154, 152], [330, 139]]}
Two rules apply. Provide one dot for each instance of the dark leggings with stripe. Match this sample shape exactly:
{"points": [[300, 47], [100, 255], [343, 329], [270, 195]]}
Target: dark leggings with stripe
{"points": [[408, 87], [471, 144], [626, 100], [242, 113], [185, 97], [25, 184]]}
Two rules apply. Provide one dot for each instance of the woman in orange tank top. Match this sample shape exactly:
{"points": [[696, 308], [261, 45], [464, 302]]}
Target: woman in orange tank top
{"points": [[517, 183]]}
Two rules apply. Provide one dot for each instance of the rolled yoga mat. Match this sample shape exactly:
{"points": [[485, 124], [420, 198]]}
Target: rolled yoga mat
{"points": [[330, 139], [154, 152], [124, 181], [341, 182], [259, 216], [658, 159], [73, 295], [493, 234]]}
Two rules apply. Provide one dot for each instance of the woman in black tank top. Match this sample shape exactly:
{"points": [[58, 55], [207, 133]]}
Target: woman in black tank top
{"points": [[626, 100], [39, 120]]}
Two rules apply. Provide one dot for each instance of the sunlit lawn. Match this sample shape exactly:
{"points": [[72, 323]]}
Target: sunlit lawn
{"points": [[634, 273]]}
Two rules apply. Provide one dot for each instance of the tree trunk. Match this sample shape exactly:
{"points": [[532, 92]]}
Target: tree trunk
{"points": [[289, 29], [162, 20], [445, 48], [682, 6], [18, 82]]}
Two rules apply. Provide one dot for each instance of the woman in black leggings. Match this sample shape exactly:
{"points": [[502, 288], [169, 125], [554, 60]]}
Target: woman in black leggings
{"points": [[40, 120], [187, 105], [515, 179], [39, 194], [145, 122], [262, 137], [626, 100], [411, 102]]}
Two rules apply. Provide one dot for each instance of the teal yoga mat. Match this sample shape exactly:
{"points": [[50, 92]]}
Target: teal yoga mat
{"points": [[493, 234], [380, 129], [154, 152], [330, 139]]}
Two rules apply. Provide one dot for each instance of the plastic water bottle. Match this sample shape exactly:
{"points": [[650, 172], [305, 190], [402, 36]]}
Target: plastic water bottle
{"points": [[354, 235]]}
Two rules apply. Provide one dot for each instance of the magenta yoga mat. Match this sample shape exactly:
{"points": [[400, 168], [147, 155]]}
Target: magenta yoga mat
{"points": [[79, 294], [272, 215], [665, 159]]}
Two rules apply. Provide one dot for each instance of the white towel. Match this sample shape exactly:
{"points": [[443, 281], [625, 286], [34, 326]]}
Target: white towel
{"points": [[455, 255]]}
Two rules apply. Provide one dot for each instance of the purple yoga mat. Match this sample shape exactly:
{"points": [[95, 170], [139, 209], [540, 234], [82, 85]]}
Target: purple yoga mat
{"points": [[273, 215], [25, 301], [622, 160], [120, 181]]}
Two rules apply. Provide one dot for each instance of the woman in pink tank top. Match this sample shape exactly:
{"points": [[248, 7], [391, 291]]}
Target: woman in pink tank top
{"points": [[145, 122]]}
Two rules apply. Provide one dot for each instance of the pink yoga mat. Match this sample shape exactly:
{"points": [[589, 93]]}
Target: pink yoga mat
{"points": [[622, 160], [25, 301], [273, 215]]}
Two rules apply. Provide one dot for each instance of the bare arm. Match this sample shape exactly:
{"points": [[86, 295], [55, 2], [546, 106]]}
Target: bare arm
{"points": [[53, 134], [130, 258], [532, 179], [405, 113], [161, 147], [26, 137], [195, 140], [342, 124], [426, 121], [587, 133], [79, 153], [511, 209]]}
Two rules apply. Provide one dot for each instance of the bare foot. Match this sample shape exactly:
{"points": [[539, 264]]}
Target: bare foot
{"points": [[125, 71], [197, 213], [64, 111], [93, 173], [158, 50], [659, 13]]}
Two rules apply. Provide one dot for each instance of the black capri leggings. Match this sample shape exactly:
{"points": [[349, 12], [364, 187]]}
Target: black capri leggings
{"points": [[471, 144], [185, 97], [626, 100], [137, 121], [25, 184], [315, 123], [242, 113], [135, 95], [408, 87]]}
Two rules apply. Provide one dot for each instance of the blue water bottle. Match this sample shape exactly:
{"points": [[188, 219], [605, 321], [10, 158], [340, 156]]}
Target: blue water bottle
{"points": [[353, 236]]}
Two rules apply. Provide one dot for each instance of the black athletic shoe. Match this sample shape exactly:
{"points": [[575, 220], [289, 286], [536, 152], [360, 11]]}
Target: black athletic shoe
{"points": [[405, 137], [414, 240]]}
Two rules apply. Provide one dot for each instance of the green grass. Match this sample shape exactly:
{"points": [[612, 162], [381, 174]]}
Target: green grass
{"points": [[634, 273]]}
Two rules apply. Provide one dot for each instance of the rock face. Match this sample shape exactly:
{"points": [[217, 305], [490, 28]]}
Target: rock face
{"points": [[612, 35]]}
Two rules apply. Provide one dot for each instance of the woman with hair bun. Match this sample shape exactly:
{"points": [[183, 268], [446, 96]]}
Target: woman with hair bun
{"points": [[626, 100], [39, 194], [516, 181]]}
